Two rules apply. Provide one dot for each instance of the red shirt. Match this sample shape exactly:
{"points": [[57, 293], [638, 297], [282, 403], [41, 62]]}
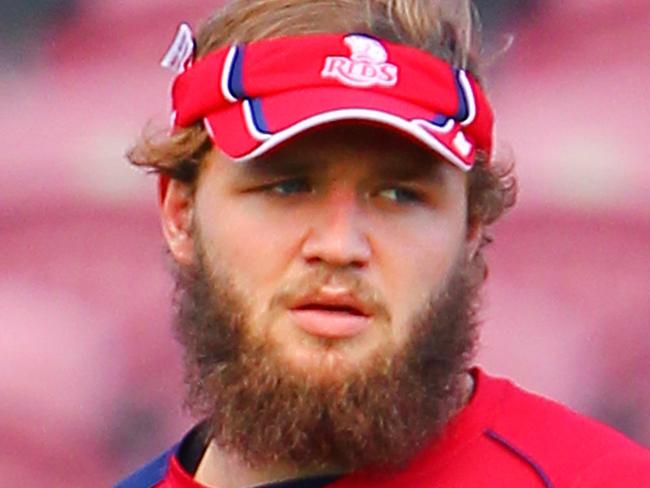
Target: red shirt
{"points": [[504, 437]]}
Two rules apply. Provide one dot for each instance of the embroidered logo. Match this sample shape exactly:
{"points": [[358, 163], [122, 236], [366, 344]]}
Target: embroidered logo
{"points": [[367, 65]]}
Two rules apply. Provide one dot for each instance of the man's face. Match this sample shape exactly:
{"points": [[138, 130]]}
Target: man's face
{"points": [[325, 303], [335, 242]]}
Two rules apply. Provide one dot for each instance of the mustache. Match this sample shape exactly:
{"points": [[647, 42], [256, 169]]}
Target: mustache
{"points": [[314, 280]]}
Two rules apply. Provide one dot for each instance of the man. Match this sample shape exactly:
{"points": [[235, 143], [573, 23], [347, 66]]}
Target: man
{"points": [[325, 197]]}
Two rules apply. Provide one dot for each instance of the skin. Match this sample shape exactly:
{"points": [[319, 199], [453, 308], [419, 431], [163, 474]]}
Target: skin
{"points": [[360, 203]]}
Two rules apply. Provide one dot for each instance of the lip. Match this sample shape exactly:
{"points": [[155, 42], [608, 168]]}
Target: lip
{"points": [[331, 314]]}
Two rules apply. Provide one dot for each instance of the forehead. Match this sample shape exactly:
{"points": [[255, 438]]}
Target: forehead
{"points": [[361, 147]]}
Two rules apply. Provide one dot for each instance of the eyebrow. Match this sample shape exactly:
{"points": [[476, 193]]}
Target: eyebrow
{"points": [[276, 166], [426, 169]]}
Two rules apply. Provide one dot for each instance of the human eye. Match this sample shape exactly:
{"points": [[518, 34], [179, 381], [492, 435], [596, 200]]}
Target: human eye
{"points": [[400, 195], [292, 186]]}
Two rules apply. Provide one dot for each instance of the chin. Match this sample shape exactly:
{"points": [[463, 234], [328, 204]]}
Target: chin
{"points": [[330, 360]]}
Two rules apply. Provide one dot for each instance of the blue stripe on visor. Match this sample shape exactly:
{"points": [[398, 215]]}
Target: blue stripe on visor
{"points": [[440, 120], [258, 116], [463, 105], [236, 77]]}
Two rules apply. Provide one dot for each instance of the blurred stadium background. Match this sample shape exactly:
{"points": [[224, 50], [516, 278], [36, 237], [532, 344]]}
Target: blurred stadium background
{"points": [[89, 374]]}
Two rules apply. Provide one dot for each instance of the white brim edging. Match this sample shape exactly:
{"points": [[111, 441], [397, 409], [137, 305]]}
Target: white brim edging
{"points": [[390, 120]]}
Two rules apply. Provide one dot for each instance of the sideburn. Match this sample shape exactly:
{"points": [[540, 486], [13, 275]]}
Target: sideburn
{"points": [[378, 417]]}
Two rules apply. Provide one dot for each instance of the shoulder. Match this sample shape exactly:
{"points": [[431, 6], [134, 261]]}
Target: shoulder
{"points": [[541, 422], [151, 473], [626, 468], [564, 445]]}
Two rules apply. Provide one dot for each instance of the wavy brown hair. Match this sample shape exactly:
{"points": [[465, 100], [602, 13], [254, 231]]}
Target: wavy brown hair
{"points": [[448, 29]]}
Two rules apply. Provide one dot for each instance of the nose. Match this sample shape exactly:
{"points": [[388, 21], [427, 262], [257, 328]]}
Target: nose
{"points": [[338, 234]]}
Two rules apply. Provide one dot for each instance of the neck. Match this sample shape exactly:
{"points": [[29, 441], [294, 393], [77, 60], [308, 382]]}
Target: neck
{"points": [[222, 469]]}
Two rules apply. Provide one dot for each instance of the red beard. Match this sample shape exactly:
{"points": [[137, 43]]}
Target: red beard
{"points": [[377, 416]]}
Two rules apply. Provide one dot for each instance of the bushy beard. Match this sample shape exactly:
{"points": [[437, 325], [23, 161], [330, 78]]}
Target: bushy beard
{"points": [[269, 414]]}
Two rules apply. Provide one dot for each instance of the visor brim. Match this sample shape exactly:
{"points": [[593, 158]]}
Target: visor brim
{"points": [[250, 128]]}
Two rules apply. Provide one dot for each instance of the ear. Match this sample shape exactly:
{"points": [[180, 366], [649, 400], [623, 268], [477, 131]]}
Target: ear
{"points": [[473, 239], [176, 216]]}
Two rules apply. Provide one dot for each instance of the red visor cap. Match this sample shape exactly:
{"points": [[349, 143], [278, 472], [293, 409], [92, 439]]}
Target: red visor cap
{"points": [[255, 96]]}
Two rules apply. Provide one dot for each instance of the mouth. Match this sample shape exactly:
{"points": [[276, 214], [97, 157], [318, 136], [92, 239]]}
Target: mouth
{"points": [[338, 316], [334, 309]]}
